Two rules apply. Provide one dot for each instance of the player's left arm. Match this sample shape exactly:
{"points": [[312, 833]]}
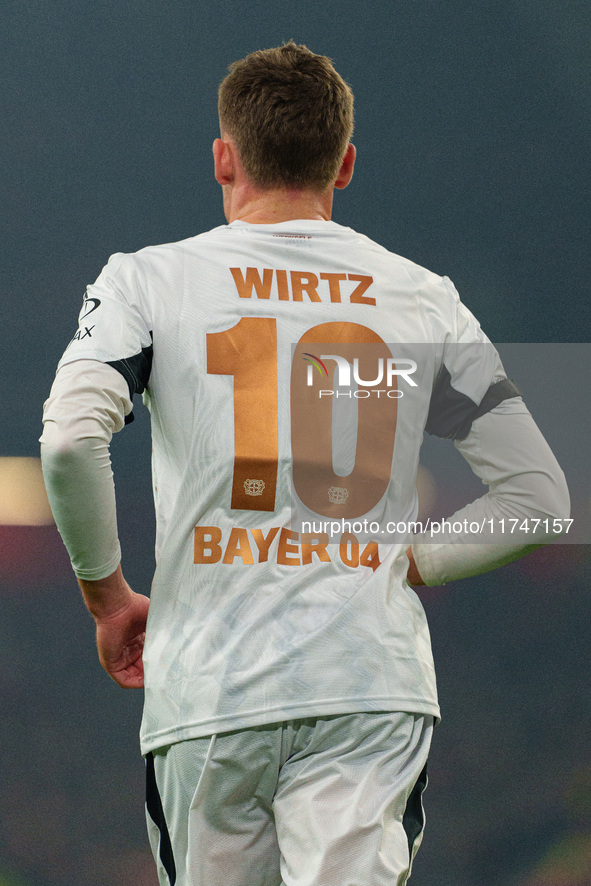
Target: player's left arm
{"points": [[526, 488], [413, 576]]}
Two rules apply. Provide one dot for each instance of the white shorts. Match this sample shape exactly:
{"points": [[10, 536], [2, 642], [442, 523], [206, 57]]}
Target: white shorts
{"points": [[323, 801]]}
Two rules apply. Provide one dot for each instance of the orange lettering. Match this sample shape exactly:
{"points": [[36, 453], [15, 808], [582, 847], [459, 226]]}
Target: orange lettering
{"points": [[303, 282], [285, 548], [347, 538], [370, 556], [333, 285], [245, 285], [318, 547], [357, 297], [238, 546], [207, 538], [282, 287], [264, 543], [248, 351]]}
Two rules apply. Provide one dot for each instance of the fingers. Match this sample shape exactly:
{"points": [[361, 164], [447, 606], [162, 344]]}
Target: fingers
{"points": [[122, 660], [120, 643], [129, 678]]}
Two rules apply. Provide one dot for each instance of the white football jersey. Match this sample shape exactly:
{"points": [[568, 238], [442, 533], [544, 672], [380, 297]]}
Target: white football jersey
{"points": [[290, 371]]}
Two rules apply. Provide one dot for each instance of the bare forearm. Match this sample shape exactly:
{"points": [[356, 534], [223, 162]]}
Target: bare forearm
{"points": [[120, 616], [106, 596]]}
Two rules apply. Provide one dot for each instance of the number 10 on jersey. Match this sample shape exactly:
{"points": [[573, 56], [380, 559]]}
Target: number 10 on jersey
{"points": [[248, 352]]}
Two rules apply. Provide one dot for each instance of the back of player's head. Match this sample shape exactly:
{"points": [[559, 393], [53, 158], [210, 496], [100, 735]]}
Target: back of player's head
{"points": [[290, 115]]}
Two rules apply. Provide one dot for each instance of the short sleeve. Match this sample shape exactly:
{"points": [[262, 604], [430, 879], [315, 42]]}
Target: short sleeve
{"points": [[114, 325]]}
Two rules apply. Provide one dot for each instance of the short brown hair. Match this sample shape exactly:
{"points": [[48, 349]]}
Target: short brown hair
{"points": [[290, 115]]}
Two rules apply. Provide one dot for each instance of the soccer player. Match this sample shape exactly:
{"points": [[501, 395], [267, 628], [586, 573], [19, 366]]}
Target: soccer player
{"points": [[290, 366]]}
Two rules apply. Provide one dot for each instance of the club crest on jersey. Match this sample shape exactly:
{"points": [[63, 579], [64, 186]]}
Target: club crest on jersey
{"points": [[338, 495], [254, 487]]}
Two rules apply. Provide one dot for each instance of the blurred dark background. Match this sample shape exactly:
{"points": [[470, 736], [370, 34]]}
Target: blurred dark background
{"points": [[473, 134]]}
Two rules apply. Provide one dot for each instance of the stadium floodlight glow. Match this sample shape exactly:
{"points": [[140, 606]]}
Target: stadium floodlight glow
{"points": [[23, 500]]}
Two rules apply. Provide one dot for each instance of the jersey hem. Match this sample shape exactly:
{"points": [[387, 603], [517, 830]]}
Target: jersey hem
{"points": [[152, 742]]}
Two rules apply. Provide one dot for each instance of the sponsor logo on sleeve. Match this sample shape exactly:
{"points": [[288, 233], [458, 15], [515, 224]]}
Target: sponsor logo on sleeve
{"points": [[88, 306]]}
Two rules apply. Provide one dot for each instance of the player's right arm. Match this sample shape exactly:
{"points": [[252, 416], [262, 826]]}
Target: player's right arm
{"points": [[107, 361], [120, 616], [87, 404]]}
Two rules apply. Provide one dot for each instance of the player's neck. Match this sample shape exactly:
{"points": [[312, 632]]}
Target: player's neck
{"points": [[274, 206]]}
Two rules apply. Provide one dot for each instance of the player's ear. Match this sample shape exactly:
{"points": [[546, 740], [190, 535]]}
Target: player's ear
{"points": [[346, 171], [223, 162]]}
